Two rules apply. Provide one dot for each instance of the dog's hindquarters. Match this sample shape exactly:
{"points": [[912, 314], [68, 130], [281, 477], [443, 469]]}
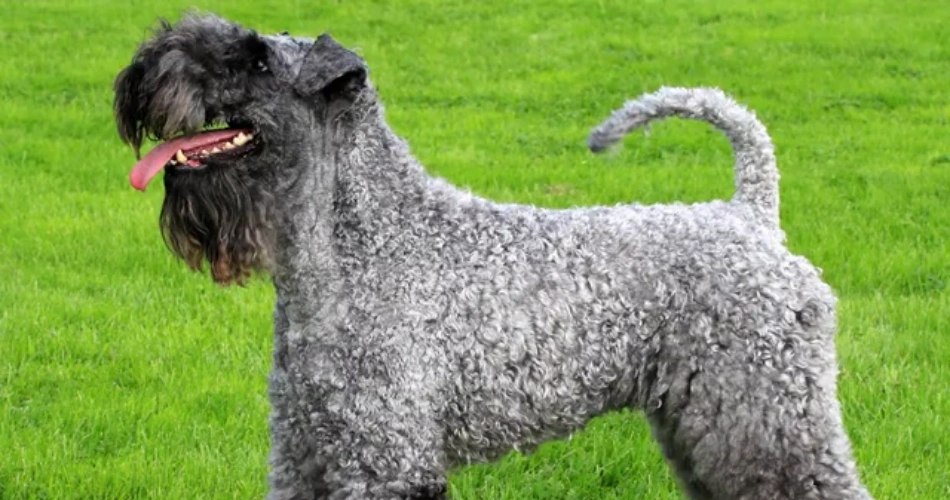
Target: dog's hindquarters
{"points": [[756, 172], [749, 410]]}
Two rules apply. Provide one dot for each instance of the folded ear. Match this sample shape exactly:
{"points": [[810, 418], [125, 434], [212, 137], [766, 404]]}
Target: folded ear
{"points": [[331, 69]]}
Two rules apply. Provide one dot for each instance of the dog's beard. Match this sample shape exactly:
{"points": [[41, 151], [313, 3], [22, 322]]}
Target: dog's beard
{"points": [[219, 216]]}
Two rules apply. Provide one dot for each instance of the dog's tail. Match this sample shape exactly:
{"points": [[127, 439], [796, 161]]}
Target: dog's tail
{"points": [[756, 173]]}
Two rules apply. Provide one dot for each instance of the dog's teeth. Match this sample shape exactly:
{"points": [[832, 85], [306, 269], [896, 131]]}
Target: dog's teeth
{"points": [[228, 145], [181, 157], [250, 136], [240, 140]]}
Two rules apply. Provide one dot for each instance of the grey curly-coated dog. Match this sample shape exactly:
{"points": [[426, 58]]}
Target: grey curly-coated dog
{"points": [[419, 327]]}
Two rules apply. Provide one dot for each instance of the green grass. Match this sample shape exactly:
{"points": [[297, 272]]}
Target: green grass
{"points": [[122, 375]]}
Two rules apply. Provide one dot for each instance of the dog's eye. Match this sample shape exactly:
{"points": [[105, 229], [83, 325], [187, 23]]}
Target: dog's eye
{"points": [[261, 66]]}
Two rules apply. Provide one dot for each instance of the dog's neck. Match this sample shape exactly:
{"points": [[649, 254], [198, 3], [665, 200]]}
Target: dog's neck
{"points": [[377, 175], [357, 178]]}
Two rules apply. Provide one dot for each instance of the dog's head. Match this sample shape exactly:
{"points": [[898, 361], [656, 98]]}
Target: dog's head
{"points": [[231, 108]]}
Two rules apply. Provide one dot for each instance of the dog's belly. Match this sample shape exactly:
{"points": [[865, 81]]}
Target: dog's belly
{"points": [[487, 423], [533, 378]]}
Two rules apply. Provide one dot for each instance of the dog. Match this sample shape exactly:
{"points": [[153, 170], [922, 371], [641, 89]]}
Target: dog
{"points": [[419, 327]]}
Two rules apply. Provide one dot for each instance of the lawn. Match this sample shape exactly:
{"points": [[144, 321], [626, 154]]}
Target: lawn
{"points": [[125, 376]]}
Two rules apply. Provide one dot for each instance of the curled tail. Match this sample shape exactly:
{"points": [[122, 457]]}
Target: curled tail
{"points": [[756, 173]]}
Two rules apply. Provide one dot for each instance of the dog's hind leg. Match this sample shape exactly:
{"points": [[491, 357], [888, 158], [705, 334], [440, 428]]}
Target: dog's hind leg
{"points": [[737, 428]]}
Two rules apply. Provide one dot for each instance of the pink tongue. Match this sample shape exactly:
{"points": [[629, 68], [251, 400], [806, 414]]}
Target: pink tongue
{"points": [[157, 158]]}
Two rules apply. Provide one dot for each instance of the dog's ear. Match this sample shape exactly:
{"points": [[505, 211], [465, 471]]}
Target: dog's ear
{"points": [[128, 104], [330, 69]]}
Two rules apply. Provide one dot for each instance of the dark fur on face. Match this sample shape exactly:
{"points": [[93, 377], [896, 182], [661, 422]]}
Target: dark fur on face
{"points": [[204, 71], [201, 70]]}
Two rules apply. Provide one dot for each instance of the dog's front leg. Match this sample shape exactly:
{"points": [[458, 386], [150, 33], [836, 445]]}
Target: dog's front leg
{"points": [[296, 467], [389, 446], [296, 470]]}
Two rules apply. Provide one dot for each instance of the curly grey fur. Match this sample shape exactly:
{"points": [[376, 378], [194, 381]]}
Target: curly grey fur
{"points": [[756, 174], [419, 327]]}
